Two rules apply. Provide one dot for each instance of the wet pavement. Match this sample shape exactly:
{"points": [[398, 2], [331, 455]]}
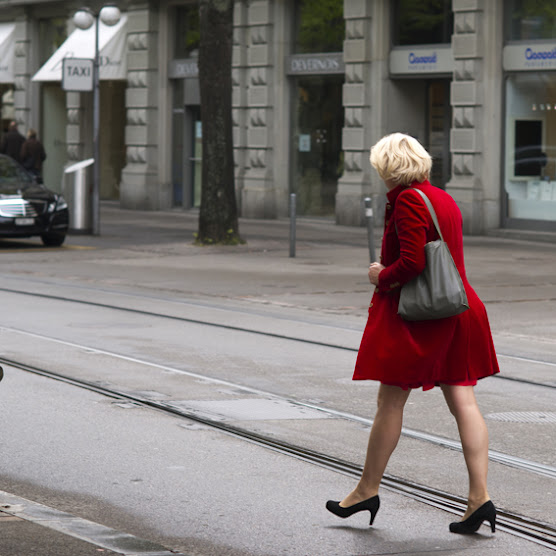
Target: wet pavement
{"points": [[142, 253]]}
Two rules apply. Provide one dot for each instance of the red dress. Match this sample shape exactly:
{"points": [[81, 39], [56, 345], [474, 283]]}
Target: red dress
{"points": [[454, 350]]}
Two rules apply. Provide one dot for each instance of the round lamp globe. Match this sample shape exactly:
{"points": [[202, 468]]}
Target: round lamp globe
{"points": [[110, 15], [83, 19]]}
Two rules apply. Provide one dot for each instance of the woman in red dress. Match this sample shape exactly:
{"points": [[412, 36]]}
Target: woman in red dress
{"points": [[452, 353]]}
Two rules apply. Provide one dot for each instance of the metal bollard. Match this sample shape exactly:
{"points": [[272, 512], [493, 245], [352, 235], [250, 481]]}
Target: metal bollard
{"points": [[370, 228], [292, 224]]}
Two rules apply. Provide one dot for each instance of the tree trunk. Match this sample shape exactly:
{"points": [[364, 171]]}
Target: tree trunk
{"points": [[218, 221]]}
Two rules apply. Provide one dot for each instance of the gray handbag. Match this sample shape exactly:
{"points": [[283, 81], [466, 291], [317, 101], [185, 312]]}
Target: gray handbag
{"points": [[437, 292]]}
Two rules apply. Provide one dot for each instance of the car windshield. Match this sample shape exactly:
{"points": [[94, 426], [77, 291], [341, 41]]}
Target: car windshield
{"points": [[12, 176]]}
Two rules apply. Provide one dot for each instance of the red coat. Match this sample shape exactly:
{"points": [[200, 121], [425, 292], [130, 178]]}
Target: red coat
{"points": [[457, 349]]}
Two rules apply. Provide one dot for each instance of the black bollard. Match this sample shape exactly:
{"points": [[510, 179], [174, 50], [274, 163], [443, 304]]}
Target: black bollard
{"points": [[292, 224]]}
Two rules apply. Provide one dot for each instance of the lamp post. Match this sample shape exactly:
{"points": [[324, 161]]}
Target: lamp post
{"points": [[83, 19]]}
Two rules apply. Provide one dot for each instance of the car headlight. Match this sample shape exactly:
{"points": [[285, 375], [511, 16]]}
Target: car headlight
{"points": [[61, 203]]}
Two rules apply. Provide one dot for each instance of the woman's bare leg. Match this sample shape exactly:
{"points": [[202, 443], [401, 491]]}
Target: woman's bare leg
{"points": [[385, 433], [474, 440]]}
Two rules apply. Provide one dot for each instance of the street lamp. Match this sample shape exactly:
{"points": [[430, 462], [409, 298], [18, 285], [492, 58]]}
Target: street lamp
{"points": [[83, 19]]}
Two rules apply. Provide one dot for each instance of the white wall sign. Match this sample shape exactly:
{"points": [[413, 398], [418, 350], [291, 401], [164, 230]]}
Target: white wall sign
{"points": [[417, 61], [181, 69], [529, 57], [304, 143], [77, 74], [310, 64]]}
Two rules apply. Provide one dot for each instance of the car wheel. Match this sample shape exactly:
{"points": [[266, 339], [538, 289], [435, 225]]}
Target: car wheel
{"points": [[53, 240]]}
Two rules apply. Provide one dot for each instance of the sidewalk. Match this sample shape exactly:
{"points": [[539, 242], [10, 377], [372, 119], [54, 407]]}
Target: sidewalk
{"points": [[28, 528], [117, 222]]}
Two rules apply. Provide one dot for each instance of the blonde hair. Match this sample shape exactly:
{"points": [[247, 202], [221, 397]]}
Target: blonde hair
{"points": [[401, 158]]}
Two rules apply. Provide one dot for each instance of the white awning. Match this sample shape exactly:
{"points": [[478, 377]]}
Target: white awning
{"points": [[7, 51], [81, 44]]}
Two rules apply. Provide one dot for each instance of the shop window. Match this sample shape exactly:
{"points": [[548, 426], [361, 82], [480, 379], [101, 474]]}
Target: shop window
{"points": [[7, 105], [424, 22], [530, 20], [187, 31], [52, 33], [530, 147], [320, 26]]}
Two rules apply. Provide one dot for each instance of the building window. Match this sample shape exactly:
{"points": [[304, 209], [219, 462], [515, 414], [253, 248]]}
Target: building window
{"points": [[320, 26], [424, 22], [530, 20], [187, 31], [530, 147], [52, 33]]}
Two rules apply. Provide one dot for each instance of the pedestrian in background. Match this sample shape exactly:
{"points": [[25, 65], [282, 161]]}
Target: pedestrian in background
{"points": [[452, 352], [32, 153], [12, 142]]}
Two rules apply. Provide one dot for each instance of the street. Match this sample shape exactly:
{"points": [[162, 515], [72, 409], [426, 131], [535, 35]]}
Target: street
{"points": [[250, 337]]}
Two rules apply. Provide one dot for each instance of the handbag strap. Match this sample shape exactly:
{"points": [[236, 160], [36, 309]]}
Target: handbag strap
{"points": [[431, 211]]}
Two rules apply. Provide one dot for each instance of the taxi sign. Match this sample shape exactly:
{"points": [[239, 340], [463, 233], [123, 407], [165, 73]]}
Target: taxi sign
{"points": [[77, 74]]}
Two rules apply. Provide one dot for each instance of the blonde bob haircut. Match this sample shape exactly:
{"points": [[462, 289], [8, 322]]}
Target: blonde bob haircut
{"points": [[401, 158]]}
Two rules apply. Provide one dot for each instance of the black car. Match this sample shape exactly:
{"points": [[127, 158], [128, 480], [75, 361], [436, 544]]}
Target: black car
{"points": [[28, 208]]}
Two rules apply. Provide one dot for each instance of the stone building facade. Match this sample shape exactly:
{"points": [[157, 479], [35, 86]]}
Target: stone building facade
{"points": [[303, 120]]}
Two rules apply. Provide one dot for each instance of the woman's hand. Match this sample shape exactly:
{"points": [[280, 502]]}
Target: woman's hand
{"points": [[374, 271]]}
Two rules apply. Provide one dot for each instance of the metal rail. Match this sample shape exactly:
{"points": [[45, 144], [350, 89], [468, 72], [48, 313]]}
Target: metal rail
{"points": [[258, 332], [535, 531]]}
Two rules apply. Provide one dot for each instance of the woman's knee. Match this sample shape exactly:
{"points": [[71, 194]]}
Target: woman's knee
{"points": [[391, 398], [460, 399]]}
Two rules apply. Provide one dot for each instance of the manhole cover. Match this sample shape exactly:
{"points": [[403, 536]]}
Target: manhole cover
{"points": [[524, 416], [250, 409]]}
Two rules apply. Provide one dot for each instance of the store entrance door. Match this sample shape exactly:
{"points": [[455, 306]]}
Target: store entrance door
{"points": [[53, 131], [187, 156], [317, 155], [439, 122], [194, 161]]}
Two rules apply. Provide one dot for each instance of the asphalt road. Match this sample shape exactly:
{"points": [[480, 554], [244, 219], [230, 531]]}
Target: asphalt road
{"points": [[187, 487]]}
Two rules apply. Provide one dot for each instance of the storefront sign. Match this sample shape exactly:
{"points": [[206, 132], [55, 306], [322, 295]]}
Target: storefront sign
{"points": [[181, 69], [534, 56], [310, 64], [304, 143], [417, 61]]}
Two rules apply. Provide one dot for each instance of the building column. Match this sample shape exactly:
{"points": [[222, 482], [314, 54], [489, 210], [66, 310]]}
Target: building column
{"points": [[22, 74], [140, 187], [258, 196], [79, 129], [239, 96], [366, 50], [476, 98]]}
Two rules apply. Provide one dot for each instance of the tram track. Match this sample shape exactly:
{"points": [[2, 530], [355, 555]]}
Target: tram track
{"points": [[535, 531], [268, 334], [440, 441]]}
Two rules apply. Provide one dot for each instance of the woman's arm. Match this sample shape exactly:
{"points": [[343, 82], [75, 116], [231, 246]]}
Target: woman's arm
{"points": [[412, 221]]}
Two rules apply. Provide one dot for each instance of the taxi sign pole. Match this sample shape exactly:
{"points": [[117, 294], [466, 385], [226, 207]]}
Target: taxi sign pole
{"points": [[96, 128], [84, 19]]}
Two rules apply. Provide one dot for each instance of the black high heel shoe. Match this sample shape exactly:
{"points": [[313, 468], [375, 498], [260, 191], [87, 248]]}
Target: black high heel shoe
{"points": [[371, 505], [487, 512]]}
